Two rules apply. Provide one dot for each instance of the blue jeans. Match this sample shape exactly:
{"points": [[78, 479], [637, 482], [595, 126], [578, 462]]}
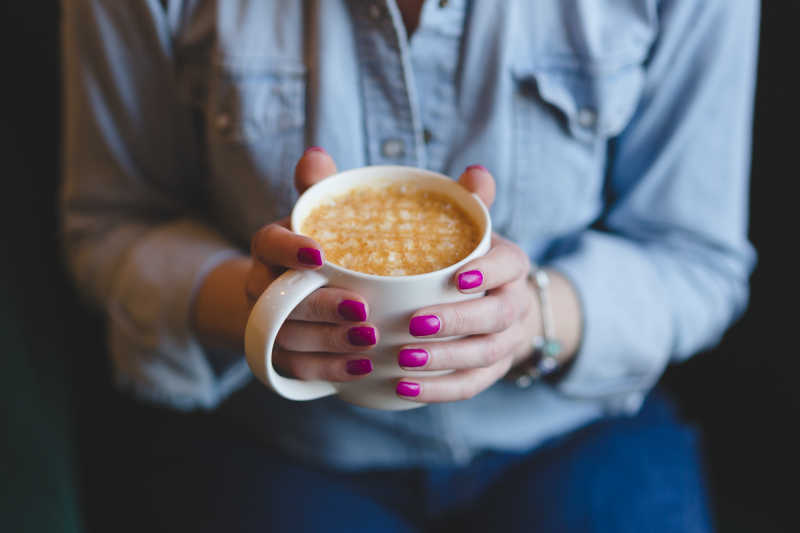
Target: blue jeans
{"points": [[640, 474]]}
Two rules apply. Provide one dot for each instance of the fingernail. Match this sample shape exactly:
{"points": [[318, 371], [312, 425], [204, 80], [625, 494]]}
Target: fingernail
{"points": [[309, 256], [412, 357], [359, 367], [470, 279], [406, 388], [421, 326], [314, 149], [361, 336], [353, 310], [477, 167]]}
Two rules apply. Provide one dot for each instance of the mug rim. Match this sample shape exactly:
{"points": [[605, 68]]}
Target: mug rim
{"points": [[487, 233]]}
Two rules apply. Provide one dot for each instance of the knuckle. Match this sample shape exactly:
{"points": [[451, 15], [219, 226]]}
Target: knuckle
{"points": [[315, 306], [492, 352], [457, 320], [282, 338], [465, 390], [506, 313], [261, 240], [298, 367], [336, 339], [254, 242], [521, 258]]}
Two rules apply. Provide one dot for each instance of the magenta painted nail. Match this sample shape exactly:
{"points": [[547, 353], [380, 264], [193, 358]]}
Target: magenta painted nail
{"points": [[315, 149], [406, 388], [352, 310], [470, 279], [309, 256], [421, 326], [359, 367], [361, 336], [477, 167], [412, 357]]}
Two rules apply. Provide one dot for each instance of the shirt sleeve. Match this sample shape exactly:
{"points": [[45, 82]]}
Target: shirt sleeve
{"points": [[134, 237], [666, 269]]}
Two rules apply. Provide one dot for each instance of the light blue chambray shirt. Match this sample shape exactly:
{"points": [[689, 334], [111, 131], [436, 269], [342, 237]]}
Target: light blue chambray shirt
{"points": [[618, 133]]}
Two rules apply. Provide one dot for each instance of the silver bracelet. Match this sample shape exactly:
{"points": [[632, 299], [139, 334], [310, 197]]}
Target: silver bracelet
{"points": [[546, 349]]}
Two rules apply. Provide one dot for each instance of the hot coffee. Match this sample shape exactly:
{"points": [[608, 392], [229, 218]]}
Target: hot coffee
{"points": [[397, 229]]}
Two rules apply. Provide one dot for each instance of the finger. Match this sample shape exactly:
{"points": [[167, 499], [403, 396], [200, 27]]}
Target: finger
{"points": [[478, 180], [317, 337], [504, 263], [332, 305], [275, 245], [475, 351], [319, 365], [314, 165], [494, 312], [457, 386], [258, 278]]}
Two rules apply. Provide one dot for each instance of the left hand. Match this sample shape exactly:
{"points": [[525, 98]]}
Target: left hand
{"points": [[498, 328]]}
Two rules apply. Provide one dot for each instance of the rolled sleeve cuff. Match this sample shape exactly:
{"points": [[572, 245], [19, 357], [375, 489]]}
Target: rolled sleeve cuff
{"points": [[153, 347], [625, 343]]}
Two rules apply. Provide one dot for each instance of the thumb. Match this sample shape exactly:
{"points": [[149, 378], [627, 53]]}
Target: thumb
{"points": [[477, 180], [314, 165]]}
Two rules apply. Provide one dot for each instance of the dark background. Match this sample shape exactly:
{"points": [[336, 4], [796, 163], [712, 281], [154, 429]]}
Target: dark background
{"points": [[742, 394]]}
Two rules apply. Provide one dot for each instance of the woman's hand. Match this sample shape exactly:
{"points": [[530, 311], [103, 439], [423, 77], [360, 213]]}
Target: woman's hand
{"points": [[325, 336], [498, 329]]}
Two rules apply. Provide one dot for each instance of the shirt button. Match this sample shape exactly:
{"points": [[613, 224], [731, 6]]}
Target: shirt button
{"points": [[587, 117], [443, 3], [427, 136], [393, 148], [374, 11], [633, 402], [223, 121]]}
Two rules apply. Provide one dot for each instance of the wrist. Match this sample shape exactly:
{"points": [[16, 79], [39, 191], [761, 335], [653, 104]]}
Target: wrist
{"points": [[220, 308], [555, 319]]}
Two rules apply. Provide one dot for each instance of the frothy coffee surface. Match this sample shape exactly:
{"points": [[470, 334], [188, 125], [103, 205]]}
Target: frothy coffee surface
{"points": [[392, 230]]}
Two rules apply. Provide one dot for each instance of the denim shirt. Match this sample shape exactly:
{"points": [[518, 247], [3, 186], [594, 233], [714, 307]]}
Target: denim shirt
{"points": [[618, 133]]}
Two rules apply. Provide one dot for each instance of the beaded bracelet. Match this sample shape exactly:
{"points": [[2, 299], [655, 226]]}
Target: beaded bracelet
{"points": [[544, 359]]}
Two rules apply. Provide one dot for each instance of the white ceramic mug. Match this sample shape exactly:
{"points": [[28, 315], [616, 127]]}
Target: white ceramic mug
{"points": [[392, 299]]}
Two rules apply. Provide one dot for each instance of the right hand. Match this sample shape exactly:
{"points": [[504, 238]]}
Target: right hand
{"points": [[326, 335]]}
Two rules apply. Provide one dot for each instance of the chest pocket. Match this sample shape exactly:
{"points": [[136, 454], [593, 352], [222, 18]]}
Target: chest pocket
{"points": [[565, 112], [255, 124]]}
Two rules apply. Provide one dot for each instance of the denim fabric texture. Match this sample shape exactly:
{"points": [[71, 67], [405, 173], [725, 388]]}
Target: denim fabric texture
{"points": [[621, 474], [618, 134]]}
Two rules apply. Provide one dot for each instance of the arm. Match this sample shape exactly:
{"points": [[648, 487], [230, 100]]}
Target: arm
{"points": [[132, 241], [173, 289], [667, 270]]}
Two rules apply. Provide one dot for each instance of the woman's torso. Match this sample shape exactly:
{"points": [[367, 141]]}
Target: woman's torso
{"points": [[532, 90]]}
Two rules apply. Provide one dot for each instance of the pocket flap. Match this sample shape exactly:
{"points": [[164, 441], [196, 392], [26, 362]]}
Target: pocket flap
{"points": [[593, 102], [255, 98]]}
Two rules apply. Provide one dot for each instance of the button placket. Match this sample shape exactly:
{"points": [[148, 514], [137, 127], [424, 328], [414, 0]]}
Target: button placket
{"points": [[222, 122], [434, 53], [375, 11], [587, 117], [392, 128], [393, 148]]}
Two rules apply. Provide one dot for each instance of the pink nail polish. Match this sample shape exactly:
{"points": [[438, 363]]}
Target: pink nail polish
{"points": [[309, 256], [477, 167], [421, 326], [361, 336], [359, 367], [470, 279], [406, 388], [314, 149], [352, 310], [412, 357]]}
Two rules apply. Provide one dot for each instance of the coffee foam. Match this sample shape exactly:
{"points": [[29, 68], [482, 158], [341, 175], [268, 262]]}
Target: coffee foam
{"points": [[397, 229]]}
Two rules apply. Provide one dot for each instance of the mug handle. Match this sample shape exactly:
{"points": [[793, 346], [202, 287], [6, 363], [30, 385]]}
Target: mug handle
{"points": [[268, 315]]}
